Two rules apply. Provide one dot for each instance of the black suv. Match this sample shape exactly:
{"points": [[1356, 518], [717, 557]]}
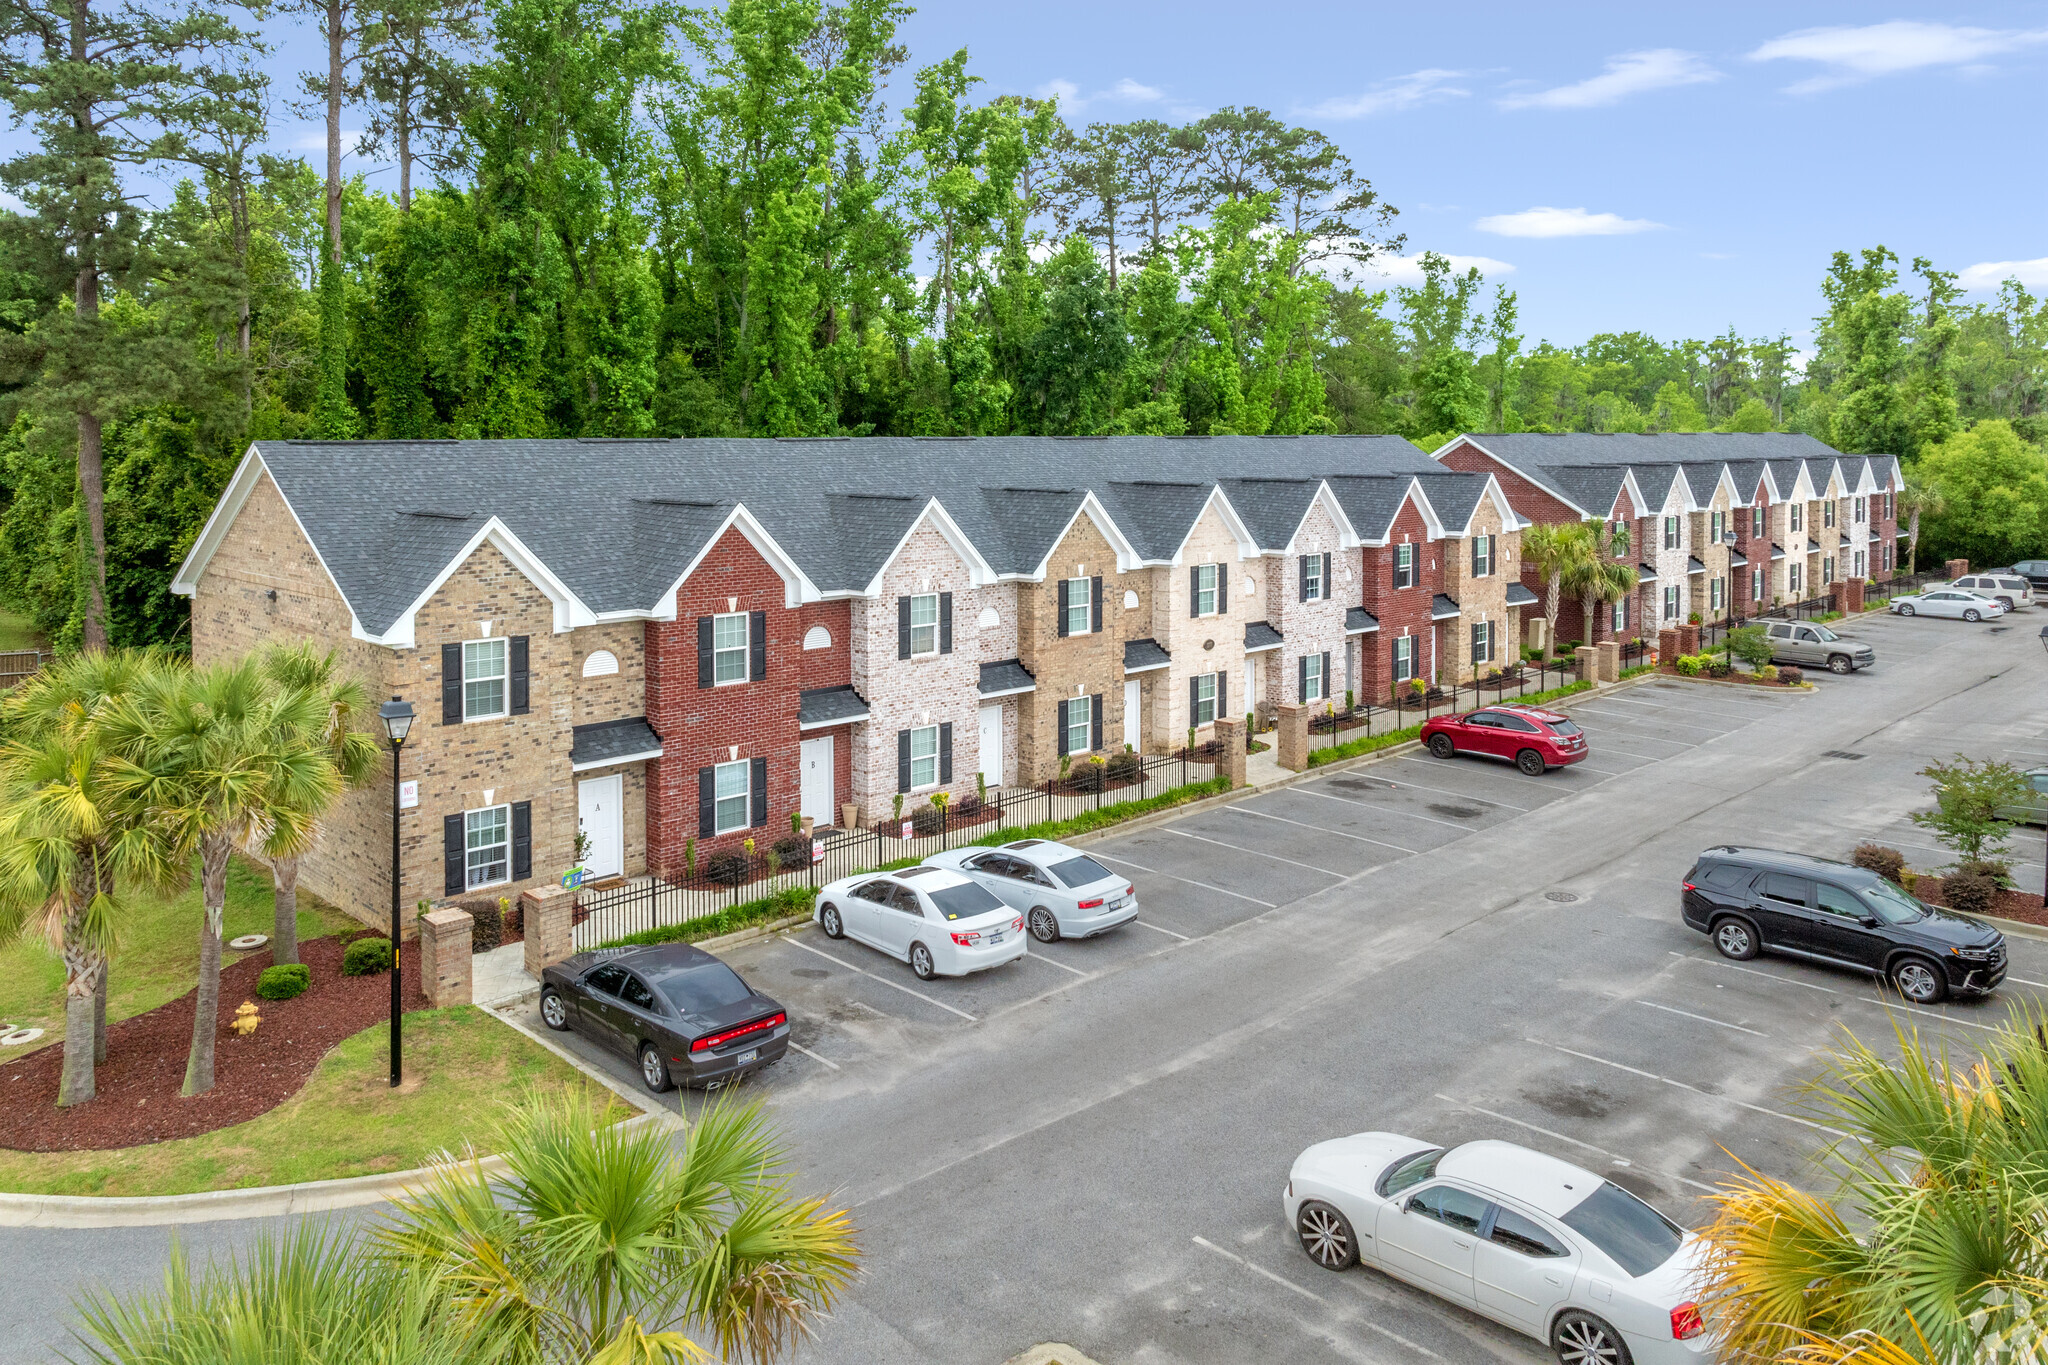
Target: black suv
{"points": [[1752, 900]]}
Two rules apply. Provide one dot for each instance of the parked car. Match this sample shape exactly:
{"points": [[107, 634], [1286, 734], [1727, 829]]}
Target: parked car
{"points": [[2033, 810], [685, 1016], [1759, 900], [1813, 645], [1950, 602], [1062, 891], [1536, 1244], [2035, 571], [1533, 739], [2008, 588], [939, 921]]}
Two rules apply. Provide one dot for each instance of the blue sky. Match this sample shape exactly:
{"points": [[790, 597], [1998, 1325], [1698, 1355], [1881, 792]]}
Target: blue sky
{"points": [[1669, 169]]}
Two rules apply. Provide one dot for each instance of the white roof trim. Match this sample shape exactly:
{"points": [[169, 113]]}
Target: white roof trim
{"points": [[1126, 553], [1007, 692], [588, 764], [980, 573], [248, 474], [1148, 668], [828, 724], [1261, 649], [1347, 537], [570, 611], [797, 587], [1247, 544]]}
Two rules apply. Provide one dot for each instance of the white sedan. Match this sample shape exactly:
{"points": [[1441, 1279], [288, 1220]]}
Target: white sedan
{"points": [[1951, 602], [938, 921], [1534, 1243], [1062, 891]]}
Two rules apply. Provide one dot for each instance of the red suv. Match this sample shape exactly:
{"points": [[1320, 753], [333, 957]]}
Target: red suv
{"points": [[1534, 739]]}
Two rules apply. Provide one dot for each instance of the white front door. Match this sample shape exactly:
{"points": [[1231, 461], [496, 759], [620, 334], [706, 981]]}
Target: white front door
{"points": [[814, 794], [1134, 733], [600, 814], [992, 745], [1251, 684]]}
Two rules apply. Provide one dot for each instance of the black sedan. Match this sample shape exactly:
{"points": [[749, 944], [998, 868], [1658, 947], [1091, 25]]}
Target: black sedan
{"points": [[685, 1016]]}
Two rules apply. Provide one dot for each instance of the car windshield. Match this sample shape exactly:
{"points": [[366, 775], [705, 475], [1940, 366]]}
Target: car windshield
{"points": [[1080, 872], [703, 988], [1563, 727], [1635, 1236], [1410, 1171], [1892, 905], [1824, 633], [955, 902]]}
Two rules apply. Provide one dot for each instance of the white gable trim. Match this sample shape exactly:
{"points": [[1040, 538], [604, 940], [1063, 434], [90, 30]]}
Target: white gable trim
{"points": [[796, 587], [1637, 503], [1508, 464], [1127, 558], [1432, 525], [980, 573], [1247, 544], [1347, 537], [569, 609]]}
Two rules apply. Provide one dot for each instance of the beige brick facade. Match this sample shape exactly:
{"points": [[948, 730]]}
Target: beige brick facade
{"points": [[1481, 597], [1087, 664], [1205, 644], [1313, 627]]}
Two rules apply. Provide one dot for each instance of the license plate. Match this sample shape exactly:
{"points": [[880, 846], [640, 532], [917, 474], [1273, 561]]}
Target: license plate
{"points": [[749, 1055], [994, 939], [1116, 904]]}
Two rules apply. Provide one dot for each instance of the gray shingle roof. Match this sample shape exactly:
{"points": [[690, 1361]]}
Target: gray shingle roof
{"points": [[1358, 621], [1454, 496], [1371, 504], [1519, 596], [1442, 608], [1006, 677], [1627, 448], [829, 706], [1260, 635], [1591, 488], [1141, 655], [612, 741], [1646, 572], [1777, 551], [1737, 560], [1694, 565], [1271, 508]]}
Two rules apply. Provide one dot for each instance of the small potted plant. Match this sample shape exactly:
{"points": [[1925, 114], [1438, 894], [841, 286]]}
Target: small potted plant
{"points": [[579, 851]]}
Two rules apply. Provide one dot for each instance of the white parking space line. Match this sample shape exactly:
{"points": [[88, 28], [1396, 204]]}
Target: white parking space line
{"points": [[1257, 853], [2024, 982], [1446, 791], [1647, 758], [1041, 957], [1880, 1002], [1148, 924], [1690, 1089], [1391, 810], [1603, 772], [1752, 971], [885, 981], [1689, 708], [1577, 1142], [1286, 1283], [814, 1056], [1658, 720], [1262, 815], [1719, 1023], [1491, 776], [1931, 1014], [1155, 872]]}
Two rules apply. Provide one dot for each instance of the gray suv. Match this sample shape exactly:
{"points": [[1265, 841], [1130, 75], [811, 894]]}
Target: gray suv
{"points": [[1812, 645]]}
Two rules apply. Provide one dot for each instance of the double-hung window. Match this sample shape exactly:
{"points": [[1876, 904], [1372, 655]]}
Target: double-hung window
{"points": [[1621, 615], [1859, 563], [1671, 602], [1715, 522], [1617, 536], [1482, 556], [1404, 658], [1756, 585], [924, 627], [729, 648], [1080, 721], [1312, 688], [1791, 578], [732, 786], [1715, 588], [1205, 590], [1827, 513], [1205, 700], [1794, 514], [1671, 533], [487, 854], [1080, 602], [1860, 509], [1312, 578], [1827, 569], [1404, 566], [483, 678], [924, 757], [1482, 642], [1756, 521]]}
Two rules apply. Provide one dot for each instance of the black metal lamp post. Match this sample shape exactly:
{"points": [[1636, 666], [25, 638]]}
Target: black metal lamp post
{"points": [[397, 718]]}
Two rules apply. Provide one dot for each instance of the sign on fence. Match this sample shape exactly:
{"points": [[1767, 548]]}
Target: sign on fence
{"points": [[817, 850]]}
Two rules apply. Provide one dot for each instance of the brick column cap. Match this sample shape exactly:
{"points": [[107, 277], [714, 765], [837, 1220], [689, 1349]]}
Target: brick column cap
{"points": [[445, 922]]}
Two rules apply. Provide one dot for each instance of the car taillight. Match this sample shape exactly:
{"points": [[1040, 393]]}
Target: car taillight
{"points": [[969, 939], [1017, 925], [1130, 891], [1690, 887], [1095, 904], [1685, 1321], [716, 1039]]}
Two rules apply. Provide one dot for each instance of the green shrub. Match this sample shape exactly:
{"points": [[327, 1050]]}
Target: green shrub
{"points": [[284, 981], [1751, 645], [1789, 674], [1768, 672], [1887, 863], [1973, 893], [487, 924], [1688, 665], [795, 900], [1998, 869], [366, 957]]}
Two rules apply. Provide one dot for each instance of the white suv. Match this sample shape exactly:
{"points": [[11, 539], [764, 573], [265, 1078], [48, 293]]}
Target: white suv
{"points": [[2010, 589]]}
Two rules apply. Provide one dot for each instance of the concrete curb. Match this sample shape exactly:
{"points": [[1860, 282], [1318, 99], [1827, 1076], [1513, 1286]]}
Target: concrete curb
{"points": [[2018, 928], [1805, 689]]}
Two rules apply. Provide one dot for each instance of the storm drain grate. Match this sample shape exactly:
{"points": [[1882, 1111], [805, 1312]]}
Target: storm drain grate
{"points": [[1840, 753], [1561, 897]]}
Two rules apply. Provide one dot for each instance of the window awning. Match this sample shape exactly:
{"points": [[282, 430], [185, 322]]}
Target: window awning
{"points": [[1737, 560], [1519, 596], [1259, 636], [1359, 621], [1442, 608], [1142, 656], [610, 742], [819, 707], [1646, 573], [1006, 679], [1777, 551], [1693, 565]]}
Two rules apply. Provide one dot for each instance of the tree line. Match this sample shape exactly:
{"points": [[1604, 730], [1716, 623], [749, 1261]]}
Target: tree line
{"points": [[764, 219]]}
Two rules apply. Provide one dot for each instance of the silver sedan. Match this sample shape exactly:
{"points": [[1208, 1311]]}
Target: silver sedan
{"points": [[1950, 602], [1063, 892]]}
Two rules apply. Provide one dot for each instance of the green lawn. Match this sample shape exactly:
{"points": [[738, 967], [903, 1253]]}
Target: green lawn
{"points": [[157, 959], [16, 632], [462, 1067]]}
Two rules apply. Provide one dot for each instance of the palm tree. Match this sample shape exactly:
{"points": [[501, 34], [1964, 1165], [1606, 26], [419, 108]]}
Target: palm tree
{"points": [[606, 1243], [285, 833], [1553, 549], [1935, 1238], [69, 838], [1920, 497], [209, 753], [1600, 578]]}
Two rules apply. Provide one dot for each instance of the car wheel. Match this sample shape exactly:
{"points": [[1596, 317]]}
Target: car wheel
{"points": [[1972, 614], [1441, 746], [921, 964], [1326, 1236], [554, 1011], [1919, 981], [1045, 926], [828, 920], [653, 1070], [1735, 939], [1530, 762], [1904, 609], [1840, 663], [1582, 1339], [2005, 602]]}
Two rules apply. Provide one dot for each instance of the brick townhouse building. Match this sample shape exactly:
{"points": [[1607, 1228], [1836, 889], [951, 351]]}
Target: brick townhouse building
{"points": [[669, 647]]}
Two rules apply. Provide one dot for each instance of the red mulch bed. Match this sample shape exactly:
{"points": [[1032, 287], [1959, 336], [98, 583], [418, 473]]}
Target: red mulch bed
{"points": [[1671, 671], [138, 1099], [2023, 906]]}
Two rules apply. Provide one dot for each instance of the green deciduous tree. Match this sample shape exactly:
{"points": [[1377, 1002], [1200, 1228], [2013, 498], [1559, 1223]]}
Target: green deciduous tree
{"points": [[1968, 794], [1993, 496]]}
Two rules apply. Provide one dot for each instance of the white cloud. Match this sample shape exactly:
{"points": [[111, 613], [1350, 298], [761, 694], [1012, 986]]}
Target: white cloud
{"points": [[1393, 96], [1857, 54], [1991, 274], [1408, 269], [1548, 222], [1125, 91], [1631, 73]]}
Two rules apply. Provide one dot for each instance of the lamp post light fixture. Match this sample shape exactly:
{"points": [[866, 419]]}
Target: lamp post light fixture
{"points": [[397, 717]]}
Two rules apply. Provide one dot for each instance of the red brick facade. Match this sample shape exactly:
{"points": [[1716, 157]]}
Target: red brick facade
{"points": [[1400, 610]]}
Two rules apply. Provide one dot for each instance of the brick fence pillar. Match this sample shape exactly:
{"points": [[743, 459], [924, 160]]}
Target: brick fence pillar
{"points": [[1848, 596], [1589, 662], [549, 912], [1667, 645], [1610, 661], [1688, 639], [1230, 735], [1956, 568], [1290, 735], [444, 957]]}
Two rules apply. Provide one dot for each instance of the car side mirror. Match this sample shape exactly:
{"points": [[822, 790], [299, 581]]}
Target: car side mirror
{"points": [[1868, 921]]}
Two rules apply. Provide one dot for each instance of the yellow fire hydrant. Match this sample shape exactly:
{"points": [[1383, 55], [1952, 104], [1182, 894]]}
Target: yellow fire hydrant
{"points": [[246, 1019]]}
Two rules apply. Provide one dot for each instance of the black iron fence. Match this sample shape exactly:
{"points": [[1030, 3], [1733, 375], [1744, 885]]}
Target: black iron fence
{"points": [[1336, 726], [724, 879]]}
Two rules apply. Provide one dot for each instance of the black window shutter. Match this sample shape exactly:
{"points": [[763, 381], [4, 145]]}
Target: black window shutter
{"points": [[1194, 700], [1493, 554], [522, 688], [1195, 590], [1478, 552], [945, 752], [707, 802], [1095, 605], [903, 760], [1329, 589], [703, 651], [453, 879], [903, 627], [945, 623], [1095, 721], [1326, 675], [1222, 694], [451, 686], [522, 840], [1303, 594], [1061, 714], [1064, 585], [1301, 678], [759, 786], [757, 645], [1222, 593]]}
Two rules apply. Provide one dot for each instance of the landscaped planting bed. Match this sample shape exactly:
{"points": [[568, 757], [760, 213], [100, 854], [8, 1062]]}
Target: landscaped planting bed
{"points": [[2024, 906]]}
